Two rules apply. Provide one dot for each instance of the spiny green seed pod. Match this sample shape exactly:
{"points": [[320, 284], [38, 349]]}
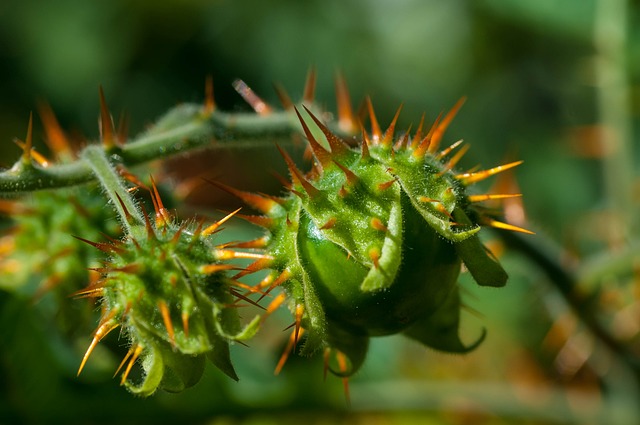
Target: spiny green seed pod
{"points": [[371, 241], [165, 286]]}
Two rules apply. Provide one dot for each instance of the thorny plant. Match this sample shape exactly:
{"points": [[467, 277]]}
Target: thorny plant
{"points": [[370, 241]]}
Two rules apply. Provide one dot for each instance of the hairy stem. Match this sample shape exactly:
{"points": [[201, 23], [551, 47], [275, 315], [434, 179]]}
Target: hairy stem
{"points": [[182, 129], [113, 186]]}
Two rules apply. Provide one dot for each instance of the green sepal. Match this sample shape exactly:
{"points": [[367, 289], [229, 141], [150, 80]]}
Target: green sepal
{"points": [[440, 329], [484, 268], [181, 371], [153, 366], [221, 358]]}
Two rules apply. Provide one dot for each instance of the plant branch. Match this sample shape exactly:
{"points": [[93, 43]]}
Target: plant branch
{"points": [[182, 129]]}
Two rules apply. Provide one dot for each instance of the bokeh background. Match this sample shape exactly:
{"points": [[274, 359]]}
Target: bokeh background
{"points": [[553, 83]]}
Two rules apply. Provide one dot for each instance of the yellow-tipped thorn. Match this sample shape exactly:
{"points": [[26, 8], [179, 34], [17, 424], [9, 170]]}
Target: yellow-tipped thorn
{"points": [[376, 133], [506, 226], [377, 224], [490, 197], [388, 135], [136, 353], [102, 331], [442, 127], [213, 227], [346, 120], [35, 155], [470, 178], [288, 349], [168, 324]]}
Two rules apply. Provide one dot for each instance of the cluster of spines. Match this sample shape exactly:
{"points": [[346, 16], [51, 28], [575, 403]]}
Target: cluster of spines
{"points": [[163, 240]]}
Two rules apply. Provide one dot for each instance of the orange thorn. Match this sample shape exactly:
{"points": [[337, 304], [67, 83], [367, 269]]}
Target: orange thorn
{"points": [[213, 227], [352, 178], [151, 234], [322, 155], [284, 97], [124, 360], [259, 202], [28, 144], [288, 349], [457, 157], [176, 237], [469, 178], [326, 355], [365, 145], [104, 247], [56, 139], [337, 145], [258, 220], [254, 267], [215, 268], [402, 141], [442, 127], [282, 278], [388, 135], [448, 150], [418, 136], [490, 197], [342, 364], [136, 353], [346, 120], [255, 243], [209, 100], [329, 224], [102, 331], [127, 214], [377, 224], [38, 157], [275, 304], [185, 323], [310, 86], [423, 147], [374, 254], [166, 318], [237, 294], [227, 254], [375, 127], [506, 226], [386, 185], [297, 175], [106, 124], [163, 217], [298, 315], [258, 105]]}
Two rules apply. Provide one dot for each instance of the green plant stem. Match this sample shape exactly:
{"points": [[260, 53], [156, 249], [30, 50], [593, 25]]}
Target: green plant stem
{"points": [[113, 186], [609, 37], [544, 254], [182, 129]]}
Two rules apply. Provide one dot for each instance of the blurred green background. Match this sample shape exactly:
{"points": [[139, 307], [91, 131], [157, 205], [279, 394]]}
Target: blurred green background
{"points": [[553, 83]]}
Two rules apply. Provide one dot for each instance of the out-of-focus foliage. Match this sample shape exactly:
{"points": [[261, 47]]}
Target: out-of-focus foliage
{"points": [[529, 70]]}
